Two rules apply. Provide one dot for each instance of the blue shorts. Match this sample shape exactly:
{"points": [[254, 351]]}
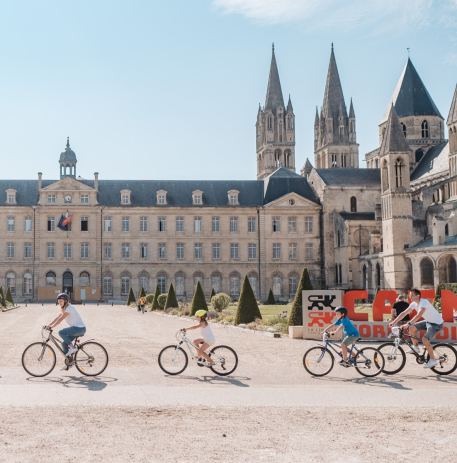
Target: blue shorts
{"points": [[432, 328]]}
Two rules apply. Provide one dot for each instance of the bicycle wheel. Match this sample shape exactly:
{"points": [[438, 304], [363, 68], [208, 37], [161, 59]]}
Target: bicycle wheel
{"points": [[369, 362], [91, 359], [226, 360], [318, 361], [39, 359], [395, 358], [446, 356], [173, 360]]}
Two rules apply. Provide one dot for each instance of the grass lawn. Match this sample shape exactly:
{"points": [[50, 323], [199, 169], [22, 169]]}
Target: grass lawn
{"points": [[265, 310]]}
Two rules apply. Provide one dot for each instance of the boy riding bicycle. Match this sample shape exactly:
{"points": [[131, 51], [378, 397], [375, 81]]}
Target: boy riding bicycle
{"points": [[433, 323], [349, 330]]}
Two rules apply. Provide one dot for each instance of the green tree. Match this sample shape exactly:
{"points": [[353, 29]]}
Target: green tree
{"points": [[213, 293], [155, 302], [296, 314], [220, 301], [198, 301], [172, 300], [161, 300], [271, 298], [9, 296], [2, 299], [142, 292], [247, 310], [131, 298]]}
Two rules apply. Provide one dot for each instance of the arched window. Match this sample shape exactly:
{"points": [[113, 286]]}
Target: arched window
{"points": [[144, 282], [340, 274], [419, 154], [385, 176], [125, 284], [353, 204], [425, 131], [293, 285], [338, 239], [452, 270], [277, 285], [426, 267], [162, 282], [364, 277], [290, 122], [398, 174], [403, 126], [216, 282], [198, 278], [337, 277], [180, 284], [270, 122], [50, 279], [11, 282], [27, 287], [446, 229], [253, 282], [108, 285], [234, 285], [378, 275], [377, 163], [84, 279]]}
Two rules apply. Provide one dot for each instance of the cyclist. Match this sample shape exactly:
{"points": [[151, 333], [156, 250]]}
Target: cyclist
{"points": [[142, 303], [76, 325], [208, 338], [433, 322], [350, 331], [400, 306]]}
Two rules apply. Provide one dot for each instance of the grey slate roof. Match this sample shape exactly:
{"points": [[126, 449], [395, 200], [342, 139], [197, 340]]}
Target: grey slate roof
{"points": [[274, 97], [452, 118], [179, 192], [434, 161], [354, 177], [68, 155], [394, 139], [428, 243], [410, 96], [357, 215], [333, 97], [351, 111]]}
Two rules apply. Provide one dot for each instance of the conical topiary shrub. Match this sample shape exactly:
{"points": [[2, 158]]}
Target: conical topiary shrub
{"points": [[142, 292], [271, 298], [9, 296], [198, 301], [131, 298], [155, 302], [172, 300], [247, 310], [3, 300], [213, 293], [296, 314]]}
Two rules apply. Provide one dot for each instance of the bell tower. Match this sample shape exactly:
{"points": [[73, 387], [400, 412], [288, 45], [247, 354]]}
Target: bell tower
{"points": [[67, 162]]}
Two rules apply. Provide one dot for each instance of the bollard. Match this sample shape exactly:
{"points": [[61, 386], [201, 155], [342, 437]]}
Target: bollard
{"points": [[26, 303], [112, 303]]}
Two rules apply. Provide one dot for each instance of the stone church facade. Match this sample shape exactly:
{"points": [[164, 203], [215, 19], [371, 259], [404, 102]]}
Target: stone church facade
{"points": [[391, 225]]}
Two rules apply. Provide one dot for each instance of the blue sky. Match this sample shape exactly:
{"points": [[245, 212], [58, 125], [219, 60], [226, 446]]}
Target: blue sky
{"points": [[170, 90]]}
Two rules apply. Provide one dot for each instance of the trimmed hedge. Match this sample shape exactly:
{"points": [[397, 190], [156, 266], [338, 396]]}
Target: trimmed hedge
{"points": [[198, 301], [161, 300], [247, 310], [155, 301], [296, 314], [9, 296], [172, 300], [271, 298], [131, 298], [142, 293]]}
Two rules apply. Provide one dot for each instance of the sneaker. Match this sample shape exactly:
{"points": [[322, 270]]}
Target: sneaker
{"points": [[65, 368], [71, 351], [413, 349], [344, 363], [210, 364], [431, 363]]}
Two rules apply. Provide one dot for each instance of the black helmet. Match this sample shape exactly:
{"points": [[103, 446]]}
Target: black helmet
{"points": [[342, 310], [63, 296]]}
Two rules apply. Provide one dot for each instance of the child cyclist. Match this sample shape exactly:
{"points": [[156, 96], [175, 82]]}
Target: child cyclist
{"points": [[349, 330], [208, 338]]}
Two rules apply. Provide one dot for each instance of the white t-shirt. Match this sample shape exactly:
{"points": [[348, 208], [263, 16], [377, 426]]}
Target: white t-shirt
{"points": [[430, 315], [74, 319], [207, 334]]}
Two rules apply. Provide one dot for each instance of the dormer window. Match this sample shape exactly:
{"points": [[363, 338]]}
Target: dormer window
{"points": [[10, 196], [233, 197], [161, 197], [125, 197], [197, 198], [51, 199]]}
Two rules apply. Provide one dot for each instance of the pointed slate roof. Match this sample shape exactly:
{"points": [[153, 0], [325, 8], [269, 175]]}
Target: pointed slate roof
{"points": [[274, 97], [394, 140], [333, 97], [452, 118], [289, 105], [410, 96], [351, 111], [316, 119]]}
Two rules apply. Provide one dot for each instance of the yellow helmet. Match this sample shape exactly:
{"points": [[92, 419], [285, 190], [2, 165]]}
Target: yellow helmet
{"points": [[200, 313]]}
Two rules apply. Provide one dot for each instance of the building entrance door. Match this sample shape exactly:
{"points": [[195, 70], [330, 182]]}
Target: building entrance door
{"points": [[67, 283], [83, 294]]}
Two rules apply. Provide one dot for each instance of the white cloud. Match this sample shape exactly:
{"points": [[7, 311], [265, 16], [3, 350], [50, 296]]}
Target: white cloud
{"points": [[374, 15]]}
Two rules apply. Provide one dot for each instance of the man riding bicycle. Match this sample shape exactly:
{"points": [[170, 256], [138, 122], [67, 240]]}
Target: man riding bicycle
{"points": [[433, 323], [76, 325]]}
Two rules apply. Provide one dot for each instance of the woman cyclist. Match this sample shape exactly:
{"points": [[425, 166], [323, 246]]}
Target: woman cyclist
{"points": [[76, 325], [208, 338]]}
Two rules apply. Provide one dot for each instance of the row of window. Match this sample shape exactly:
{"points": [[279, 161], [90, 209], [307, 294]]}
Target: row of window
{"points": [[162, 224], [162, 251]]}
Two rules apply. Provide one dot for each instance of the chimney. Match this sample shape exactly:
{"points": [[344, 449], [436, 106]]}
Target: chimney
{"points": [[438, 231], [96, 181], [39, 180]]}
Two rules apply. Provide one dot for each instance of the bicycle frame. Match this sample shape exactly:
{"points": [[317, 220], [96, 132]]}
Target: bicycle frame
{"points": [[400, 336], [328, 343], [182, 338]]}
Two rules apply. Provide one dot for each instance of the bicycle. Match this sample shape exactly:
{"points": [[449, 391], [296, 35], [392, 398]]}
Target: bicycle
{"points": [[173, 359], [319, 360], [395, 356], [39, 359]]}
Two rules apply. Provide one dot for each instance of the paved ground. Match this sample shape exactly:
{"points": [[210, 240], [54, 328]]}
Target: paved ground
{"points": [[269, 410]]}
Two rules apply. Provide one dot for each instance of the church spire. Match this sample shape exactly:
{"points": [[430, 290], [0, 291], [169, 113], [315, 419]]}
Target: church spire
{"points": [[394, 140], [351, 111], [333, 97], [274, 97]]}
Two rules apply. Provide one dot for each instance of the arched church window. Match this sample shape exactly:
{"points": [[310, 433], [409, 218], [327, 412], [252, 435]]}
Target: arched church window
{"points": [[426, 268], [377, 163], [364, 277], [353, 204], [338, 239], [270, 122], [403, 126], [398, 173], [385, 176], [425, 130], [378, 276]]}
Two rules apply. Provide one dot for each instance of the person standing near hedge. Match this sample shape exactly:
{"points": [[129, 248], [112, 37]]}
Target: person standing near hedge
{"points": [[142, 303]]}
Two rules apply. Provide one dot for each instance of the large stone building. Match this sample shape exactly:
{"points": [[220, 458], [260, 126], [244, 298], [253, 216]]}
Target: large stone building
{"points": [[391, 225]]}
